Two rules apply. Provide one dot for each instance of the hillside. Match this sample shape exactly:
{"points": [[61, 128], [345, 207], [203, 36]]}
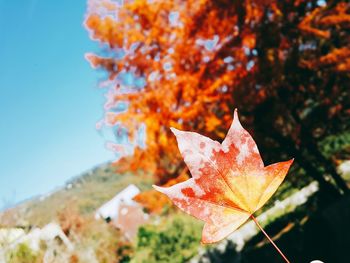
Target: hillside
{"points": [[85, 192], [173, 236], [82, 194]]}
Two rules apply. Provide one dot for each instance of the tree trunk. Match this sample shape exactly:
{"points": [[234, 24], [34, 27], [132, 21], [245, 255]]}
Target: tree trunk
{"points": [[308, 143], [307, 165]]}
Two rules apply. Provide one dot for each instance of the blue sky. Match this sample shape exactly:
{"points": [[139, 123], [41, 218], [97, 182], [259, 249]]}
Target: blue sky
{"points": [[49, 100]]}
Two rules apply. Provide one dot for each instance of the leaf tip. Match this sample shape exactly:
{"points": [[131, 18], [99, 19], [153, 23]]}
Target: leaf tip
{"points": [[286, 165], [205, 240], [174, 130], [235, 114], [290, 162], [158, 188], [236, 124]]}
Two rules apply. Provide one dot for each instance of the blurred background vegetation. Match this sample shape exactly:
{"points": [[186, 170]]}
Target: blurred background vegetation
{"points": [[187, 64]]}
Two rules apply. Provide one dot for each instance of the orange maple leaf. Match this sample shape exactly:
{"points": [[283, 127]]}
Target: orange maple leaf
{"points": [[229, 180]]}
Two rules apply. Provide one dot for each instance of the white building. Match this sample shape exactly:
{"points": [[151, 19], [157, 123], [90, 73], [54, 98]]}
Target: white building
{"points": [[109, 211]]}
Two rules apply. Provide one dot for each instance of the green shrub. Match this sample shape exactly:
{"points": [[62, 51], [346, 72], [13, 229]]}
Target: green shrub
{"points": [[22, 254], [176, 241], [335, 144]]}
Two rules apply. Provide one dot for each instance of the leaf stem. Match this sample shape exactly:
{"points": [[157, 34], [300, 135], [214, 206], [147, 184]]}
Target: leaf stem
{"points": [[267, 236]]}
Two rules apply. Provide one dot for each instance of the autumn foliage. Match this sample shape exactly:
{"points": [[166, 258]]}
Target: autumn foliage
{"points": [[187, 64]]}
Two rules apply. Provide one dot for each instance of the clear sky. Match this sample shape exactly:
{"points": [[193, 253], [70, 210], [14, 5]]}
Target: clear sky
{"points": [[49, 100]]}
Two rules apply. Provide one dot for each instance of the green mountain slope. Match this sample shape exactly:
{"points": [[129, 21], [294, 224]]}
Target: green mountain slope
{"points": [[83, 194]]}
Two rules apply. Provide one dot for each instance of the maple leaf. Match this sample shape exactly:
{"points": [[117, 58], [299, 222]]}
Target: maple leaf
{"points": [[229, 180]]}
